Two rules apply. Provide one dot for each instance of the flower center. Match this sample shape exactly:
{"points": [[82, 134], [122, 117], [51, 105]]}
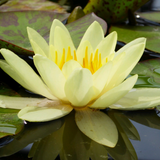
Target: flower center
{"points": [[93, 63]]}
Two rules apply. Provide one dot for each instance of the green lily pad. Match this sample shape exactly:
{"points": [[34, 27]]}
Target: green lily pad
{"points": [[78, 27], [18, 5], [113, 11], [13, 32], [153, 16], [10, 124], [148, 73], [129, 33], [5, 90]]}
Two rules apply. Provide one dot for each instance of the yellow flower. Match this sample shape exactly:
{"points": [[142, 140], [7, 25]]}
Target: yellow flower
{"points": [[86, 79]]}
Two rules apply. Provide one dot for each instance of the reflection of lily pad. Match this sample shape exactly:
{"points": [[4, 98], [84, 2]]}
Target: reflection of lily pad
{"points": [[32, 132], [129, 33], [149, 73]]}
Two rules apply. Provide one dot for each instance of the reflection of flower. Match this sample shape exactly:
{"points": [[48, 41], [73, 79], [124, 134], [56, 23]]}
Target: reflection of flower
{"points": [[89, 78]]}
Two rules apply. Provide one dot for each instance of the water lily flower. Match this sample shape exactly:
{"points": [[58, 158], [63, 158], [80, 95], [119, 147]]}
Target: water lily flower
{"points": [[86, 79]]}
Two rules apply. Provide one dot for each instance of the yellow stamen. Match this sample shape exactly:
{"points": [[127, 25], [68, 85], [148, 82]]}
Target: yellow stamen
{"points": [[91, 63], [56, 58], [95, 64], [83, 62], [69, 56], [86, 58], [100, 64], [106, 60], [62, 60], [75, 56]]}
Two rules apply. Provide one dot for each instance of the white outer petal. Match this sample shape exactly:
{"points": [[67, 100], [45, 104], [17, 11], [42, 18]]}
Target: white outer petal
{"points": [[107, 45], [138, 98], [114, 94], [38, 40], [130, 44], [94, 34], [56, 23], [42, 114], [52, 76], [124, 66], [69, 67], [21, 102], [100, 77], [26, 73], [79, 87], [62, 41]]}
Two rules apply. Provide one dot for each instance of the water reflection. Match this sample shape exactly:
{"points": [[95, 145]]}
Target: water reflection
{"points": [[63, 140]]}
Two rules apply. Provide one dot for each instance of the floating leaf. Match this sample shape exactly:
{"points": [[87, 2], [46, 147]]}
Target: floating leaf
{"points": [[13, 32], [129, 33], [19, 5], [153, 16], [5, 90], [76, 14], [78, 27], [113, 11], [10, 124], [149, 73]]}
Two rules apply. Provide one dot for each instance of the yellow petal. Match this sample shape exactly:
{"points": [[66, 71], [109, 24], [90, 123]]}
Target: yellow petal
{"points": [[97, 126], [138, 98], [9, 70], [132, 43], [114, 94], [107, 45], [94, 34], [20, 102], [81, 51], [79, 87], [69, 67], [52, 75], [26, 73], [125, 65], [100, 77], [38, 43], [62, 41], [42, 114], [56, 23]]}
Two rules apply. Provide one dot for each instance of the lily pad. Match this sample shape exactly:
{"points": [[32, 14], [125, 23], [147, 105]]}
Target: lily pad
{"points": [[129, 33], [113, 11], [153, 16], [10, 124], [148, 73], [78, 27], [19, 5], [13, 32]]}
